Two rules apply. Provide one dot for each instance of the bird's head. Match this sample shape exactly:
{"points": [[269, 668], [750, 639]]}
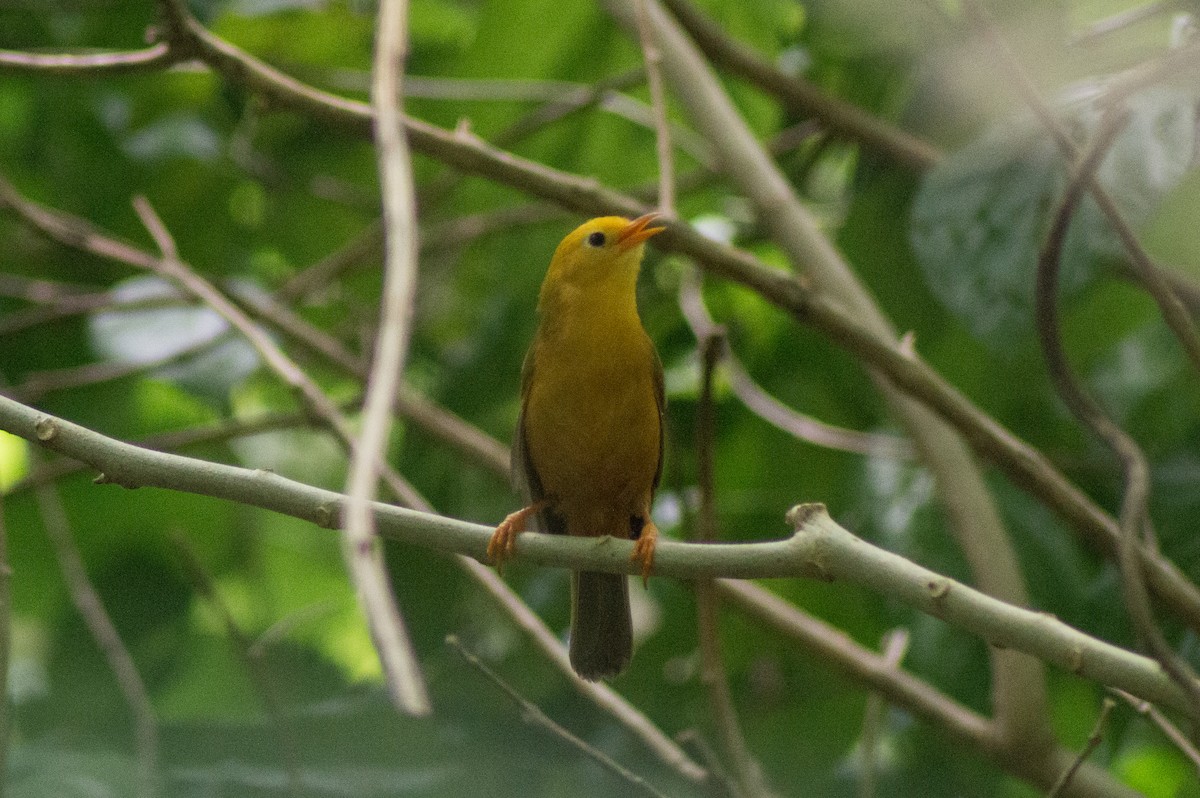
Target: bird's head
{"points": [[601, 250]]}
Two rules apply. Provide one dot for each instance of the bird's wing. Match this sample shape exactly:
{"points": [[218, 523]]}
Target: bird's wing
{"points": [[660, 398], [524, 474]]}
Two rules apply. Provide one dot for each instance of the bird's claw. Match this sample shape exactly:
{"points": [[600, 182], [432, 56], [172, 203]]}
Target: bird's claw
{"points": [[503, 544], [643, 549]]}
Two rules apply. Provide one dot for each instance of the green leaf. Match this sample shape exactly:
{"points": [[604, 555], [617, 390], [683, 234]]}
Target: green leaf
{"points": [[980, 216]]}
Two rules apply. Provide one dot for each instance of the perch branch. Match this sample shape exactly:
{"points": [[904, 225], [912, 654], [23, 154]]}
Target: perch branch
{"points": [[821, 549]]}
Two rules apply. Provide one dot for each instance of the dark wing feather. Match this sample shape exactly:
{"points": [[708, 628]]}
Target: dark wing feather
{"points": [[660, 397], [524, 475]]}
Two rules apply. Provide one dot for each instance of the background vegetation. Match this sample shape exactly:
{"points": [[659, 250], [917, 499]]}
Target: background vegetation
{"points": [[906, 134]]}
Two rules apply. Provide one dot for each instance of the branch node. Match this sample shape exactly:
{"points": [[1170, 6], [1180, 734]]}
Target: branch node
{"points": [[463, 132], [1075, 659], [801, 514], [938, 588], [45, 428], [325, 516]]}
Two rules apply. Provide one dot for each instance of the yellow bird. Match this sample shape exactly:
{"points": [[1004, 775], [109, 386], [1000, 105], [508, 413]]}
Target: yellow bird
{"points": [[589, 443]]}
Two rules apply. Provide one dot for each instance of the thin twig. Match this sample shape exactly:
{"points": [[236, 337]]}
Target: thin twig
{"points": [[360, 545], [658, 99], [894, 645], [367, 244], [747, 776], [156, 57], [70, 305], [91, 608], [37, 385], [532, 714], [40, 291], [1169, 729], [770, 409], [848, 121], [1122, 19], [1093, 742], [251, 658], [1134, 514]]}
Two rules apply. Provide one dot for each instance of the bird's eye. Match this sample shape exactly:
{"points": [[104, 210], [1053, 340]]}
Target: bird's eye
{"points": [[596, 240]]}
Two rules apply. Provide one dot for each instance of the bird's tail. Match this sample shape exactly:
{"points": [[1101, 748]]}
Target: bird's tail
{"points": [[601, 635]]}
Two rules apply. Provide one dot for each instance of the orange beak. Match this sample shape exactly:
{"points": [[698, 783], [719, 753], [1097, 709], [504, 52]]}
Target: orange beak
{"points": [[638, 231]]}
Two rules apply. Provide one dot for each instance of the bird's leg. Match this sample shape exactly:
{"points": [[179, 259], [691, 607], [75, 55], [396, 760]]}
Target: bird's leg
{"points": [[503, 544], [645, 538]]}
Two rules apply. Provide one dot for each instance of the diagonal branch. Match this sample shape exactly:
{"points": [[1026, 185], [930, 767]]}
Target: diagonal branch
{"points": [[1134, 515], [91, 608], [365, 564], [846, 120]]}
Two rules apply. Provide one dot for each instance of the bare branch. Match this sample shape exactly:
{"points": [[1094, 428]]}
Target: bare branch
{"points": [[91, 608], [1169, 729], [1093, 741], [156, 57], [846, 120], [746, 773], [360, 546], [770, 409], [658, 97], [820, 549], [531, 713], [1135, 514]]}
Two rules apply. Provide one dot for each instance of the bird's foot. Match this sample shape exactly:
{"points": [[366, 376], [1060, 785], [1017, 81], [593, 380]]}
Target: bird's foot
{"points": [[503, 544], [643, 549]]}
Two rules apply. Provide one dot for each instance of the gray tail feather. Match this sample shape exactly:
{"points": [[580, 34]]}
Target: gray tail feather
{"points": [[601, 632]]}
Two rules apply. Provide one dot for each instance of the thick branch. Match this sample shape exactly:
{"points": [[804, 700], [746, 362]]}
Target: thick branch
{"points": [[820, 549], [840, 117]]}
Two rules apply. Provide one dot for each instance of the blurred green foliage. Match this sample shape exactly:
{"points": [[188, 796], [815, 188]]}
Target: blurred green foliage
{"points": [[252, 197]]}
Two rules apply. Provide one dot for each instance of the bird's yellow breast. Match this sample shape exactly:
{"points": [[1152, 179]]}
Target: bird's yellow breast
{"points": [[592, 422]]}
